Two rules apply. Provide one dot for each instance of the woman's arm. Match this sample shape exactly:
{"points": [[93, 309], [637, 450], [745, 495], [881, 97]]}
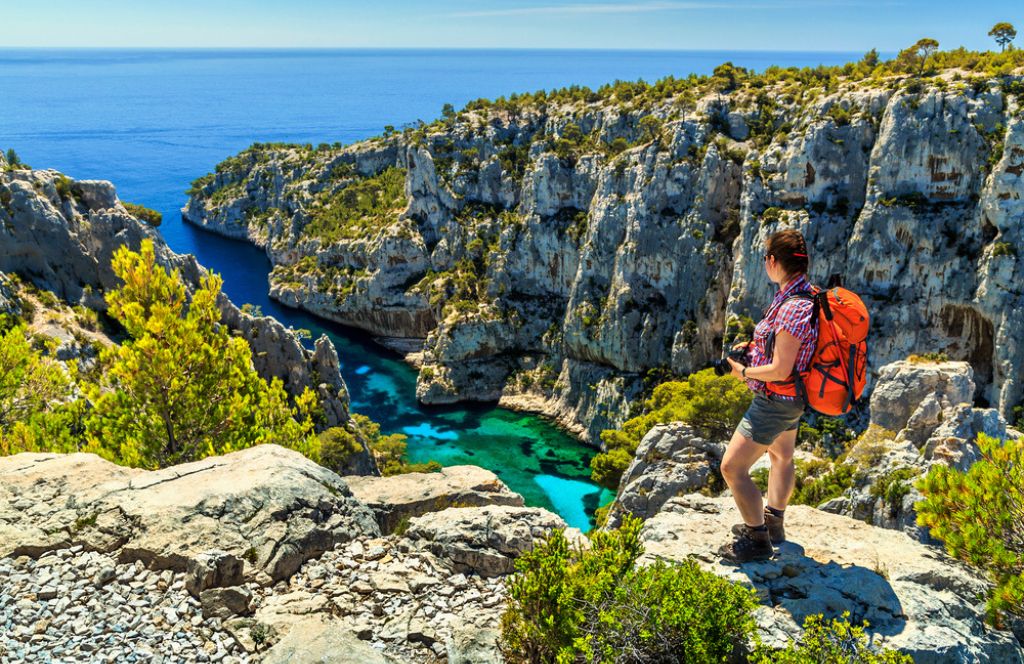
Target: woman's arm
{"points": [[783, 358]]}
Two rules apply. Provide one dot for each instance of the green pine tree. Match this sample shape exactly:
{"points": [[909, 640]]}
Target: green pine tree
{"points": [[182, 387]]}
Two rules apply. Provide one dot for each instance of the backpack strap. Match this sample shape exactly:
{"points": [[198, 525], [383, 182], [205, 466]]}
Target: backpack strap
{"points": [[769, 345]]}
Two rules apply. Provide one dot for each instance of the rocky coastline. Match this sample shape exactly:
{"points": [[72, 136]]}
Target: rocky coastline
{"points": [[513, 254]]}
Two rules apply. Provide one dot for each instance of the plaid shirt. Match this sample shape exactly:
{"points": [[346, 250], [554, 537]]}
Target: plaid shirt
{"points": [[794, 317]]}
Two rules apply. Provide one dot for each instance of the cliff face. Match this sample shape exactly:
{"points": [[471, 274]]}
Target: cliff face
{"points": [[61, 234], [550, 254]]}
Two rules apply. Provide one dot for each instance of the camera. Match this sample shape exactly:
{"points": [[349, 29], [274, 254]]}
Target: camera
{"points": [[722, 367]]}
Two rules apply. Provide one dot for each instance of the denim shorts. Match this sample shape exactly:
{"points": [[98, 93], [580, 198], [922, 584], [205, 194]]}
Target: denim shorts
{"points": [[768, 416]]}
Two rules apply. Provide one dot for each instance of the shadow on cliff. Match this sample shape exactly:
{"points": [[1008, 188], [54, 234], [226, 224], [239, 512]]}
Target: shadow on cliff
{"points": [[803, 586]]}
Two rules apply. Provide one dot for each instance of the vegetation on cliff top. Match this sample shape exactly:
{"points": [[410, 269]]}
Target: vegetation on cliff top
{"points": [[360, 209], [180, 387]]}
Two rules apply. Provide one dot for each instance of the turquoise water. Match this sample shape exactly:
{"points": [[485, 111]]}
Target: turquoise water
{"points": [[153, 120]]}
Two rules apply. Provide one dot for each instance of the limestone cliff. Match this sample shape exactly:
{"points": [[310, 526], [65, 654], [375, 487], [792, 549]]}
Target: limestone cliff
{"points": [[550, 253]]}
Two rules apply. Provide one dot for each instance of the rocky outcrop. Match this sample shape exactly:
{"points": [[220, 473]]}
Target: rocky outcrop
{"points": [[257, 514], [257, 555], [396, 498], [482, 540], [914, 598], [541, 267], [671, 460], [921, 415], [60, 234]]}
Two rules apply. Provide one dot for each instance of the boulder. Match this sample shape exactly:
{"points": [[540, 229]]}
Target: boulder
{"points": [[671, 460], [474, 645], [482, 540], [914, 597], [397, 497], [321, 639], [225, 602], [921, 415], [256, 514], [909, 397]]}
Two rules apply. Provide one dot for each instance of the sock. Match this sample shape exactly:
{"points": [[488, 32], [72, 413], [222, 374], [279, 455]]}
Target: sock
{"points": [[774, 512], [761, 528]]}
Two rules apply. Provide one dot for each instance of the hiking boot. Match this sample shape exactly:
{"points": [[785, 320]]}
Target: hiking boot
{"points": [[749, 545], [775, 528]]}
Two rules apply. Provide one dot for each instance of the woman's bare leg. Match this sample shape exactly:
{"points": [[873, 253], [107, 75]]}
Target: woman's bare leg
{"points": [[782, 476], [739, 457]]}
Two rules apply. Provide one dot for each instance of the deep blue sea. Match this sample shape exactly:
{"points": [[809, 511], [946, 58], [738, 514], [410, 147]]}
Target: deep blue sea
{"points": [[151, 121]]}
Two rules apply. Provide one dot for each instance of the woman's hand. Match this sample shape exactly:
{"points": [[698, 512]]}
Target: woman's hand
{"points": [[737, 368], [740, 344]]}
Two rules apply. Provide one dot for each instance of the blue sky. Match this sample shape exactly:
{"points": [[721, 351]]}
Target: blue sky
{"points": [[830, 25]]}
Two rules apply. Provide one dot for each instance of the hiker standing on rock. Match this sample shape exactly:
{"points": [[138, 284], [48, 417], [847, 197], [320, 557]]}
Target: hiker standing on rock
{"points": [[783, 341]]}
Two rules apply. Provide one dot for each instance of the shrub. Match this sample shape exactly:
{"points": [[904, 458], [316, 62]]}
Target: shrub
{"points": [[14, 161], [1003, 249], [772, 215], [832, 642], [830, 437], [337, 445], [389, 451], [978, 515], [893, 486], [739, 328], [839, 115], [151, 217], [569, 604], [182, 387], [30, 382], [198, 185], [924, 358], [711, 404], [63, 185], [811, 490]]}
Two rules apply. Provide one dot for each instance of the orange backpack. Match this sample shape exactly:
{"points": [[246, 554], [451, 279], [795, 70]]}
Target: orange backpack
{"points": [[837, 372]]}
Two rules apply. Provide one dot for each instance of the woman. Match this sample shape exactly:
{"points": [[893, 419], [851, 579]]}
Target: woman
{"points": [[770, 424]]}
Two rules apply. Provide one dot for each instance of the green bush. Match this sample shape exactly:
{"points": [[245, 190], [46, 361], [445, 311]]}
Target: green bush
{"points": [[711, 404], [1003, 249], [924, 358], [829, 438], [832, 642], [337, 445], [151, 217], [814, 490], [568, 604], [63, 186], [893, 486], [739, 328], [978, 515], [839, 115], [30, 383], [389, 451]]}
